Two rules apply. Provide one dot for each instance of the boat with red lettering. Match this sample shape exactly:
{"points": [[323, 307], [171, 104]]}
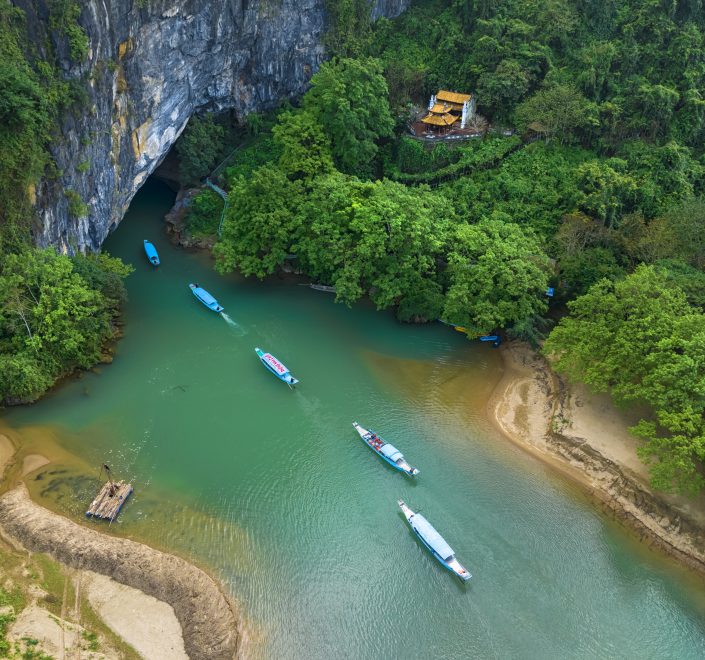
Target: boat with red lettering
{"points": [[388, 452], [276, 367]]}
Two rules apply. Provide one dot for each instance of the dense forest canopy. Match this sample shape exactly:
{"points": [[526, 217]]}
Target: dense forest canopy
{"points": [[598, 193]]}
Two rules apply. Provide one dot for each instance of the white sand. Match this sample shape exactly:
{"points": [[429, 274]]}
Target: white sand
{"points": [[587, 437], [33, 462], [147, 624]]}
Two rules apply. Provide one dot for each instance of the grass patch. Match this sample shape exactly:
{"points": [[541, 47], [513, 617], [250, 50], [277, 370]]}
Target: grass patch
{"points": [[52, 579], [92, 622]]}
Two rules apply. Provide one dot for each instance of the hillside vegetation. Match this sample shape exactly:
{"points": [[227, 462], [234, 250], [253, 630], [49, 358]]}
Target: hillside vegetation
{"points": [[599, 196], [56, 311]]}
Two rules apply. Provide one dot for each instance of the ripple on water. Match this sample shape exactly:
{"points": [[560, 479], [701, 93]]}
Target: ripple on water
{"points": [[274, 491]]}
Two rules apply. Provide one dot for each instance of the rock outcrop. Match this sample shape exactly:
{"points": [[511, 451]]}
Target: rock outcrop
{"points": [[210, 624], [150, 66]]}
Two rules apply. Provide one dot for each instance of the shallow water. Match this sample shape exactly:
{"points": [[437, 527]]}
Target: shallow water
{"points": [[273, 490]]}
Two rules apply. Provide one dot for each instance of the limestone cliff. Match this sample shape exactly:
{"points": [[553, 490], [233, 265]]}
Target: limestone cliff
{"points": [[151, 65]]}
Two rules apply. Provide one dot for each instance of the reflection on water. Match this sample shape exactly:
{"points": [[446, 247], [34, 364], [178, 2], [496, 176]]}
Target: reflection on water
{"points": [[273, 490]]}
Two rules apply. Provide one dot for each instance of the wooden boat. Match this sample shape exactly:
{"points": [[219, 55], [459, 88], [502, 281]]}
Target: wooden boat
{"points": [[276, 367], [320, 287], [151, 253], [388, 452], [434, 542], [206, 298]]}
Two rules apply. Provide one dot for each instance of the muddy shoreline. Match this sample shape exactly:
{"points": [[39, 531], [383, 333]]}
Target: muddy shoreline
{"points": [[545, 416]]}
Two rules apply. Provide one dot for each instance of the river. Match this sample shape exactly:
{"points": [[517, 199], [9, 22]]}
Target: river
{"points": [[274, 492]]}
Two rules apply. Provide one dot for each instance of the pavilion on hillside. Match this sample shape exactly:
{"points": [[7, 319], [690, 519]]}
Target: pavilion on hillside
{"points": [[449, 111]]}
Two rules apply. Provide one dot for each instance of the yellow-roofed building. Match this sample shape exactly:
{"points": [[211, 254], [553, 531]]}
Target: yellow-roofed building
{"points": [[449, 111]]}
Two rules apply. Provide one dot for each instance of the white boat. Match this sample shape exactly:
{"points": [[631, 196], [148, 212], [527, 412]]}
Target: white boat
{"points": [[434, 542], [388, 452]]}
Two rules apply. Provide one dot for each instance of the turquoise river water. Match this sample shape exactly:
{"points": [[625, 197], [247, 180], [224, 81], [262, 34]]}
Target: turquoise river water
{"points": [[273, 491]]}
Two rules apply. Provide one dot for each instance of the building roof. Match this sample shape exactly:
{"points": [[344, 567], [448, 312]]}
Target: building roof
{"points": [[441, 108], [452, 97], [440, 120]]}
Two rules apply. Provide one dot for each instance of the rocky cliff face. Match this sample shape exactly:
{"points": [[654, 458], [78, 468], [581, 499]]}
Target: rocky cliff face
{"points": [[151, 65]]}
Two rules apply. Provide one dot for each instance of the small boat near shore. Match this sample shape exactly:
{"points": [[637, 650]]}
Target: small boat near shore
{"points": [[276, 367], [388, 452], [151, 253], [320, 287], [206, 298], [434, 542]]}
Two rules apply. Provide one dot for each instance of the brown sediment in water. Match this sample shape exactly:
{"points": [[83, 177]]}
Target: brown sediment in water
{"points": [[7, 451], [586, 437], [63, 483], [209, 620]]}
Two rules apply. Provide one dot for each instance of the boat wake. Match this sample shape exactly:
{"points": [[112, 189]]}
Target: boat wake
{"points": [[241, 332]]}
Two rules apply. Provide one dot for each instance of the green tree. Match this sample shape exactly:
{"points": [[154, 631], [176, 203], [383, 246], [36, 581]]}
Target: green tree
{"points": [[607, 191], [198, 148], [687, 222], [203, 213], [261, 223], [348, 26], [63, 17], [500, 89], [498, 277], [379, 238], [557, 111], [641, 341], [688, 279], [304, 147], [656, 104], [609, 331], [349, 100], [22, 377], [52, 318], [578, 272]]}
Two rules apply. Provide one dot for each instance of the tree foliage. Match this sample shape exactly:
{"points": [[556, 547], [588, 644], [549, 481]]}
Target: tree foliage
{"points": [[557, 111], [613, 192], [348, 98], [498, 276], [641, 341], [55, 315], [198, 148]]}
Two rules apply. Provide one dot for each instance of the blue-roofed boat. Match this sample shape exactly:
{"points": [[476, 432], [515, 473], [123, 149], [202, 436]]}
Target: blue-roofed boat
{"points": [[206, 298], [276, 367], [388, 452], [151, 253], [434, 542]]}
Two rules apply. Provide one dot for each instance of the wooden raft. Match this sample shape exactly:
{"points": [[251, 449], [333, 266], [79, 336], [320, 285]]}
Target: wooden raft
{"points": [[109, 500]]}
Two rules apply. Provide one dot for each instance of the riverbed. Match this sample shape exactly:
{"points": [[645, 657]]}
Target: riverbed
{"points": [[273, 491]]}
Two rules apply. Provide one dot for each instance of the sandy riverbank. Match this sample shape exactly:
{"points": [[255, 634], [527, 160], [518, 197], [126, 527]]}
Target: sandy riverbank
{"points": [[587, 438], [208, 620]]}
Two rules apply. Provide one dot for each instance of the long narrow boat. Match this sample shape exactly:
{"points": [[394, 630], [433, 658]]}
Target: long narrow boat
{"points": [[434, 542], [206, 298], [276, 367], [151, 253], [388, 452], [320, 287]]}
